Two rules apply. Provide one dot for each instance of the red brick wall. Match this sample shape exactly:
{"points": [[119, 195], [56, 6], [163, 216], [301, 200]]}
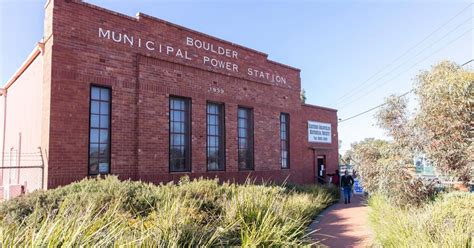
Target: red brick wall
{"points": [[330, 151], [142, 82]]}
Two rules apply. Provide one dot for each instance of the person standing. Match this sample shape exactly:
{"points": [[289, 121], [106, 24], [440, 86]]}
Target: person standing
{"points": [[346, 182]]}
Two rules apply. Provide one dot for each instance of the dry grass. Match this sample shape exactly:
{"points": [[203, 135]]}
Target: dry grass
{"points": [[446, 222], [108, 212]]}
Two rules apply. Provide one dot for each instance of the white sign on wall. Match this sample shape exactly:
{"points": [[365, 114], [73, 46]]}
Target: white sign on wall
{"points": [[319, 132]]}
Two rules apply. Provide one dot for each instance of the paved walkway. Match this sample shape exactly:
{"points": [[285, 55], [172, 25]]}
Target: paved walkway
{"points": [[343, 225]]}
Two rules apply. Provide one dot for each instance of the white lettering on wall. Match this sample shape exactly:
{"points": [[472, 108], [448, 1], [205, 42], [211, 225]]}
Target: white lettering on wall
{"points": [[218, 56], [169, 49], [117, 37], [199, 44], [266, 75], [150, 45], [104, 34], [128, 39], [215, 90], [220, 64]]}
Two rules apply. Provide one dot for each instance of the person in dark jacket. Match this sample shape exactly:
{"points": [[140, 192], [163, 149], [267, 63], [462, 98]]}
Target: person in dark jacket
{"points": [[346, 182]]}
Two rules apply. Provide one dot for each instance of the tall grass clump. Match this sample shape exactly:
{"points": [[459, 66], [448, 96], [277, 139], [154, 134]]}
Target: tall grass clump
{"points": [[109, 212], [448, 221]]}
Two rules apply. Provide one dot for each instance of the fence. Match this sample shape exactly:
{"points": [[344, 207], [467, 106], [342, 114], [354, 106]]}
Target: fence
{"points": [[21, 172]]}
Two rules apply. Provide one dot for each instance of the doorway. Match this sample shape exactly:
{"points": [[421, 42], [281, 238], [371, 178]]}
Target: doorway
{"points": [[321, 169]]}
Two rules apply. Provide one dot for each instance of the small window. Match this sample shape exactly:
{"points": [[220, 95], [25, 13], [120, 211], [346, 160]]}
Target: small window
{"points": [[215, 137], [180, 131], [99, 131], [245, 138], [285, 140]]}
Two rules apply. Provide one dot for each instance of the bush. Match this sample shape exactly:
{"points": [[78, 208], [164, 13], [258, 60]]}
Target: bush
{"points": [[383, 169], [109, 212], [445, 222]]}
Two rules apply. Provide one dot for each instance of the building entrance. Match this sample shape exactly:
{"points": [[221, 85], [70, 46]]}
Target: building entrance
{"points": [[321, 169]]}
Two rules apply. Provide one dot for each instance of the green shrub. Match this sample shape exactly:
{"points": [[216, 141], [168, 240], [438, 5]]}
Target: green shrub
{"points": [[108, 212], [448, 221]]}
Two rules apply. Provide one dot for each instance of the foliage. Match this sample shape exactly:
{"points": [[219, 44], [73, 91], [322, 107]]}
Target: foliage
{"points": [[446, 117], [394, 118], [382, 170], [108, 212], [441, 129], [368, 156], [303, 96], [446, 222]]}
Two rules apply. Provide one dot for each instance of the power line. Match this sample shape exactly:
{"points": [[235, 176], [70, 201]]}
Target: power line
{"points": [[411, 48], [407, 51], [467, 62], [376, 107], [383, 104], [399, 74], [355, 93]]}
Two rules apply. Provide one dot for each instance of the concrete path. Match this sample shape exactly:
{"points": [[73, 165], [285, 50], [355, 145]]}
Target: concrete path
{"points": [[343, 225]]}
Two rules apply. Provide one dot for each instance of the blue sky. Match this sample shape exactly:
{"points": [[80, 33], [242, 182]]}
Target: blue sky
{"points": [[338, 45]]}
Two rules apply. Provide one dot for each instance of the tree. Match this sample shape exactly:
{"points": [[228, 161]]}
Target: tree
{"points": [[366, 156], [395, 119], [381, 171], [445, 117], [442, 129], [303, 96]]}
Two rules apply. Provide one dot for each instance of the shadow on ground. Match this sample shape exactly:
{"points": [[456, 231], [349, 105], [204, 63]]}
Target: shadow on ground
{"points": [[343, 225]]}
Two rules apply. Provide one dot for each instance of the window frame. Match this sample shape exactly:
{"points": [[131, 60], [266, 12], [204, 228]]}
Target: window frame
{"points": [[188, 129], [250, 139], [109, 134], [221, 135], [287, 131]]}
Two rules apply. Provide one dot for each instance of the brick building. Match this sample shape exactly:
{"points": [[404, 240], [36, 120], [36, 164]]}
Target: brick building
{"points": [[142, 98]]}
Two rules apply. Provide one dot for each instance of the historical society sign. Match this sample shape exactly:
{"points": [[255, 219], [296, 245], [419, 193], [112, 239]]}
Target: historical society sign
{"points": [[319, 132]]}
